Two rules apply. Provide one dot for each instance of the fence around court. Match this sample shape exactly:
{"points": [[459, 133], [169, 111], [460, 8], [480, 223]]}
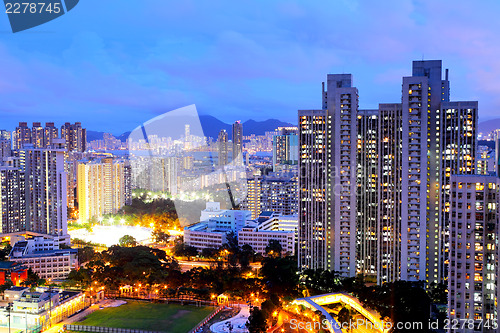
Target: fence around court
{"points": [[97, 329]]}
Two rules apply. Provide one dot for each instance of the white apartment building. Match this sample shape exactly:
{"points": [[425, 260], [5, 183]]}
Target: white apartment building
{"points": [[215, 224], [44, 257], [270, 226]]}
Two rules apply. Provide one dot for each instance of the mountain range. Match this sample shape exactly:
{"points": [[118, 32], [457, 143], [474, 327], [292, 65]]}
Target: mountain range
{"points": [[212, 126], [489, 126]]}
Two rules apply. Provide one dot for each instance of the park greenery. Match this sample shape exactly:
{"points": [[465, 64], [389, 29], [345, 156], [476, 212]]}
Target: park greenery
{"points": [[148, 316]]}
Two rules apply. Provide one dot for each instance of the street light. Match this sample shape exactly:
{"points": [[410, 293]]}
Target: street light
{"points": [[8, 315]]}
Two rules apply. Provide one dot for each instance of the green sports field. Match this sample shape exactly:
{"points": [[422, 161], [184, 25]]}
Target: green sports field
{"points": [[172, 318]]}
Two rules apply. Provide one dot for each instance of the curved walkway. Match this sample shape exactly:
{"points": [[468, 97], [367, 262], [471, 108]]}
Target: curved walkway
{"points": [[315, 303], [238, 322]]}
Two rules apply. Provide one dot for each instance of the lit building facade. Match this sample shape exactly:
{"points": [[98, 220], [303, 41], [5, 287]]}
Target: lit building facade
{"points": [[237, 141], [270, 226], [37, 135], [5, 145], [44, 257], [75, 136], [285, 147], [473, 269], [101, 187], [46, 188], [222, 143], [327, 179], [389, 192], [12, 199], [22, 135], [367, 192], [375, 183]]}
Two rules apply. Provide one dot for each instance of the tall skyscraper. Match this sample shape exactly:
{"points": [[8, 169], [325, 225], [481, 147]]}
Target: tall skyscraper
{"points": [[5, 145], [497, 153], [37, 135], [285, 147], [237, 140], [389, 231], [45, 188], [327, 179], [367, 192], [275, 192], [222, 148], [458, 150], [22, 135], [127, 179], [252, 199], [473, 270], [101, 187], [50, 133], [401, 157], [75, 136], [12, 199]]}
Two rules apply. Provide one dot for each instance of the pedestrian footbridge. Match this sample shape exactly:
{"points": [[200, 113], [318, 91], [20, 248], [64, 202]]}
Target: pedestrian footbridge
{"points": [[315, 303]]}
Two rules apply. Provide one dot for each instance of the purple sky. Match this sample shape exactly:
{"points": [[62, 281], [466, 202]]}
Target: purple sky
{"points": [[114, 64]]}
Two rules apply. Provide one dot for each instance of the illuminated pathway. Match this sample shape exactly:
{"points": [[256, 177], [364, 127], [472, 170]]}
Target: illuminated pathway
{"points": [[238, 323], [315, 304]]}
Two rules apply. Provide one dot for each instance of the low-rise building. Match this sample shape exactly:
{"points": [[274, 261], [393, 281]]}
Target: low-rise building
{"points": [[215, 225], [44, 257], [201, 236], [270, 226], [13, 272], [23, 309]]}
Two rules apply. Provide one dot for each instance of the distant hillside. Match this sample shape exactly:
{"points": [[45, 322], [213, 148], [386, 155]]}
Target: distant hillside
{"points": [[486, 127], [211, 128], [489, 144], [94, 135], [261, 127]]}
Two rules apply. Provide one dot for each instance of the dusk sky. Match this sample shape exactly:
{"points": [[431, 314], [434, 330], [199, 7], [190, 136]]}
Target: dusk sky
{"points": [[114, 64]]}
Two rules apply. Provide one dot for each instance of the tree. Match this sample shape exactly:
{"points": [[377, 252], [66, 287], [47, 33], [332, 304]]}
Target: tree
{"points": [[127, 241], [160, 236], [245, 255], [257, 322], [85, 254], [280, 276], [274, 248], [33, 280], [4, 253], [190, 251], [344, 317], [5, 286], [209, 253], [437, 292], [80, 277]]}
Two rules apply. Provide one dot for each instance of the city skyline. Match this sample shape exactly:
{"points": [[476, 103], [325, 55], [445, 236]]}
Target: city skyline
{"points": [[97, 73]]}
